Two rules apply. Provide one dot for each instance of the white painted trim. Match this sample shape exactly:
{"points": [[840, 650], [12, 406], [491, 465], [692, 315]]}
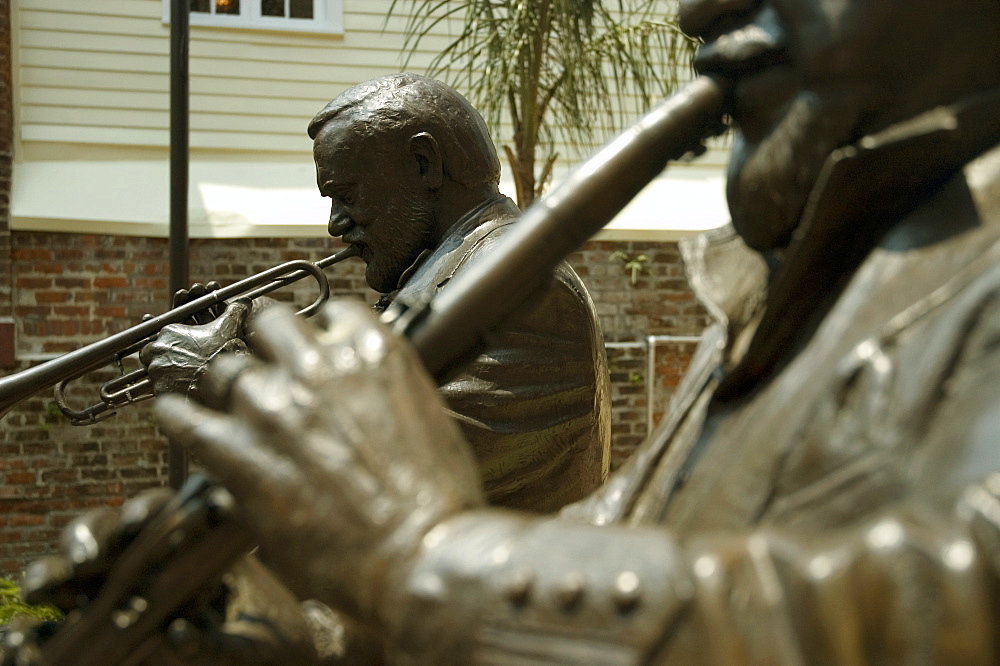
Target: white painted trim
{"points": [[264, 198], [328, 19]]}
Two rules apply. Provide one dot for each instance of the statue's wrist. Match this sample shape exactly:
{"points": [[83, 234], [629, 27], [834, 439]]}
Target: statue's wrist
{"points": [[487, 574]]}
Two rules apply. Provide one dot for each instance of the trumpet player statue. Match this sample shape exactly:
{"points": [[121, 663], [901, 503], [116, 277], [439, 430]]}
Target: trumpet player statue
{"points": [[412, 176], [826, 485]]}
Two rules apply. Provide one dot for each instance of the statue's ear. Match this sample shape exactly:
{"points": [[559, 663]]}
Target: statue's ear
{"points": [[424, 149]]}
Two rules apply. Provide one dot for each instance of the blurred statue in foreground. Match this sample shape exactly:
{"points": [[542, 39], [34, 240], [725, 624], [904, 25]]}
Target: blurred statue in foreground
{"points": [[826, 485], [412, 176]]}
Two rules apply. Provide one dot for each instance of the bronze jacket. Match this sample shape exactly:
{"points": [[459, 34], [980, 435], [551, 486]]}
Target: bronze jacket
{"points": [[535, 406], [826, 485]]}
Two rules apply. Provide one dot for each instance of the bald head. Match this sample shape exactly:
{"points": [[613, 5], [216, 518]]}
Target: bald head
{"points": [[408, 104]]}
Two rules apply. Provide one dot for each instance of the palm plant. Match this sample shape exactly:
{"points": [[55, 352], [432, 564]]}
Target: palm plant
{"points": [[556, 68]]}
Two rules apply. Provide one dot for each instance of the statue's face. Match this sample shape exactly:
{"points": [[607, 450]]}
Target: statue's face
{"points": [[815, 75], [379, 203]]}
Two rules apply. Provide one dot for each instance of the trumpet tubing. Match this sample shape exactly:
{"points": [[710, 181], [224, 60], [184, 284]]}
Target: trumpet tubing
{"points": [[20, 386]]}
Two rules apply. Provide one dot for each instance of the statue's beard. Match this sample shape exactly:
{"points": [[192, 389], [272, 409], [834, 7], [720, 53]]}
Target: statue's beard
{"points": [[770, 181], [407, 230]]}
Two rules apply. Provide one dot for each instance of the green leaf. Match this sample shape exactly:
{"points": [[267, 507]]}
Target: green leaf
{"points": [[12, 606]]}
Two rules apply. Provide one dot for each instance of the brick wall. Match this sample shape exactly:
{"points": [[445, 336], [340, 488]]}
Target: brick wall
{"points": [[72, 289], [658, 303], [631, 391]]}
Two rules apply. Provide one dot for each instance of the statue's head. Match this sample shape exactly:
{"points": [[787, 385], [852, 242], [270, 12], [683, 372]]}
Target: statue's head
{"points": [[816, 75], [388, 152]]}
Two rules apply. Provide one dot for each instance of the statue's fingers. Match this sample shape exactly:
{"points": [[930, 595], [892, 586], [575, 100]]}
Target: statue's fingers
{"points": [[230, 324], [71, 578], [138, 511], [197, 290], [85, 540], [349, 324], [181, 296], [288, 340], [220, 307], [158, 347], [205, 316], [226, 448], [216, 384], [46, 581], [147, 354]]}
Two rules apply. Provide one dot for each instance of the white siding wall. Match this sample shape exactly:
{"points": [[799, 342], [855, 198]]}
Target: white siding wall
{"points": [[92, 81], [96, 71]]}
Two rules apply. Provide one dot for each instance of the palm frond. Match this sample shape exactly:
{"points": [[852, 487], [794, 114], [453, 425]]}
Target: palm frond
{"points": [[556, 69]]}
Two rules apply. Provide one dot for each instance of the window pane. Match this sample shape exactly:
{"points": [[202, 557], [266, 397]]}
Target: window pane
{"points": [[272, 8], [227, 6], [302, 9], [199, 6]]}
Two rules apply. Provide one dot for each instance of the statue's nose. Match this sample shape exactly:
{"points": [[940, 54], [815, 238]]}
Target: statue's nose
{"points": [[339, 224]]}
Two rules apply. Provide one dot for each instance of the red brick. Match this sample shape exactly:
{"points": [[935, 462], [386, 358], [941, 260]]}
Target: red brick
{"points": [[33, 283], [51, 296], [20, 478], [25, 519], [110, 282], [110, 311], [32, 254], [72, 283], [11, 536]]}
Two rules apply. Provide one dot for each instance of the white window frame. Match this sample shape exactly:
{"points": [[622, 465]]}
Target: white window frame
{"points": [[328, 17]]}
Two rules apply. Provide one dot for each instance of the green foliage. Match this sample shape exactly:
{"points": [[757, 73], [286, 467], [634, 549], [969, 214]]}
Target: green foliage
{"points": [[563, 64], [634, 265], [12, 606]]}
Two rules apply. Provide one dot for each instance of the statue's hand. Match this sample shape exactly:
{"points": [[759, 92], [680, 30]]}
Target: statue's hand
{"points": [[178, 357], [196, 291], [336, 446], [244, 617]]}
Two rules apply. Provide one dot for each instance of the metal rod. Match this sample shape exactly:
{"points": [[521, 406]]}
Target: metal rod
{"points": [[649, 346], [176, 458], [650, 381]]}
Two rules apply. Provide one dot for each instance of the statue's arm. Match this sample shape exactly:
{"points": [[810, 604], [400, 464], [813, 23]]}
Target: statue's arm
{"points": [[535, 404], [912, 584], [364, 496], [913, 580]]}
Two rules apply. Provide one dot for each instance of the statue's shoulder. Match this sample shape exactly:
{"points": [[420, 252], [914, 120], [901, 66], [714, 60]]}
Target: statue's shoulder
{"points": [[471, 236]]}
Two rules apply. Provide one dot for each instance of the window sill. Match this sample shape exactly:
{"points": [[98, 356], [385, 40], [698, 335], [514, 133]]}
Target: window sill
{"points": [[311, 28]]}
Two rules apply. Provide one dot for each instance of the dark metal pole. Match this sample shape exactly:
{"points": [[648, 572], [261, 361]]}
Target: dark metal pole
{"points": [[176, 458]]}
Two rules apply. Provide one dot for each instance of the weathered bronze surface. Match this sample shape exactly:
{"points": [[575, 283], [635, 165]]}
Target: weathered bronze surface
{"points": [[412, 176], [826, 485]]}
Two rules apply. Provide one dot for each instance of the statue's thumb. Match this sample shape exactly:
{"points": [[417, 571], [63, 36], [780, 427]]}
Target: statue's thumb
{"points": [[230, 324]]}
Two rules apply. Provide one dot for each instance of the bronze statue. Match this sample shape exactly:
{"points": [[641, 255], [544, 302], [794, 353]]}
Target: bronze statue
{"points": [[412, 176], [826, 485]]}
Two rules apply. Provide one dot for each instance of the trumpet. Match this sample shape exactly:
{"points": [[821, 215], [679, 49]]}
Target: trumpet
{"points": [[135, 386]]}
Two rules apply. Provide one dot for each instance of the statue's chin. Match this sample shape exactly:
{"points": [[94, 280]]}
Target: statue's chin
{"points": [[770, 178], [758, 205], [379, 278]]}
